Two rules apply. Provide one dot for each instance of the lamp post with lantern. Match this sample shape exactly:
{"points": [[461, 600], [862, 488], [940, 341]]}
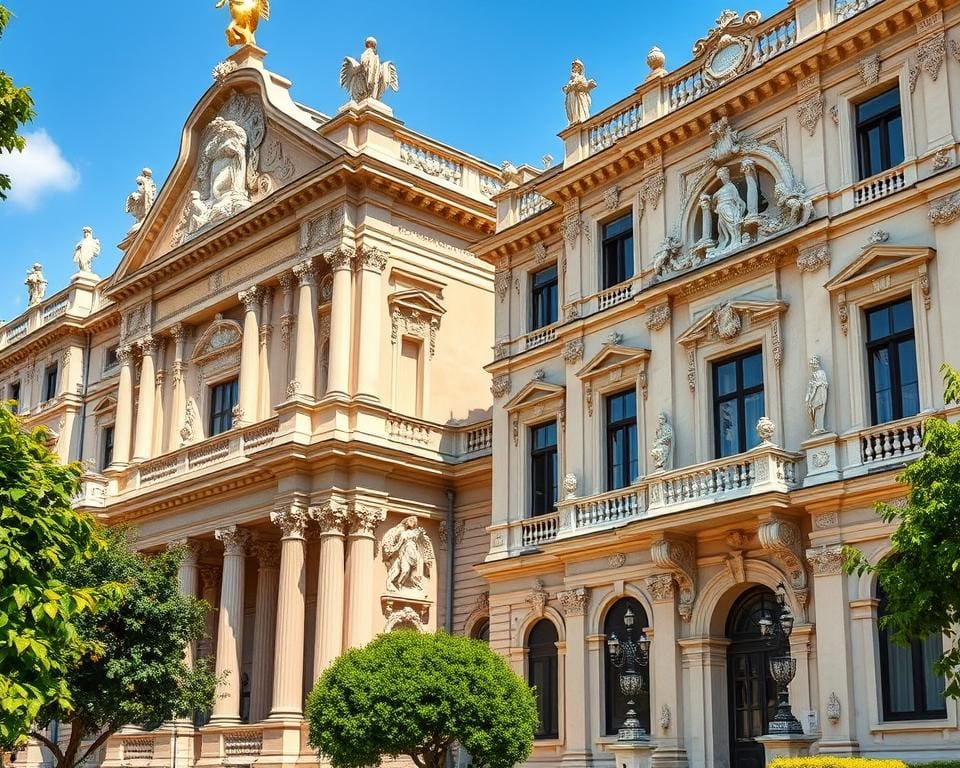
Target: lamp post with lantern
{"points": [[630, 657], [776, 630]]}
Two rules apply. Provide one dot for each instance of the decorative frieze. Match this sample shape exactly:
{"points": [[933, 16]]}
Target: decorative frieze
{"points": [[809, 112], [945, 210], [814, 258], [573, 602], [826, 561]]}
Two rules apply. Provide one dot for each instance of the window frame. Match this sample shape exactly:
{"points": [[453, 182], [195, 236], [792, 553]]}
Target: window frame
{"points": [[611, 429], [107, 438], [739, 395], [615, 242], [891, 342], [610, 675], [51, 374], [553, 308], [861, 130], [548, 654], [14, 390], [536, 454], [212, 413]]}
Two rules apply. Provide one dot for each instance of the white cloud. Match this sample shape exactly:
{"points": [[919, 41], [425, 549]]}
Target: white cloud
{"points": [[39, 169]]}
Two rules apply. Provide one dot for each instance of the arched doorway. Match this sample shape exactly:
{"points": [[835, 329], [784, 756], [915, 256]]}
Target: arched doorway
{"points": [[751, 691]]}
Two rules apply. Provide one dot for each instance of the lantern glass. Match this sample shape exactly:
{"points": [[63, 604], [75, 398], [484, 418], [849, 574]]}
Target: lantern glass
{"points": [[628, 618], [766, 625], [644, 643], [786, 623]]}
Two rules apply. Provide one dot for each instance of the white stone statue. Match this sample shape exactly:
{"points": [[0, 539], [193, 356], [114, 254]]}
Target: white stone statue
{"points": [[139, 202], [223, 168], [408, 555], [578, 89], [368, 78], [86, 251], [36, 285], [730, 209], [816, 398], [662, 451]]}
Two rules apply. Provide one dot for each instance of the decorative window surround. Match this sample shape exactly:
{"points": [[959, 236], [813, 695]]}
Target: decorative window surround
{"points": [[727, 328], [612, 369], [216, 358], [414, 314], [882, 273]]}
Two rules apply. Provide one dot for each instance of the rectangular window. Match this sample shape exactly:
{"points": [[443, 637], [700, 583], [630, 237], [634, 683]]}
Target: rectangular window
{"points": [[223, 399], [622, 460], [879, 133], [892, 355], [543, 469], [617, 250], [737, 402], [106, 447], [15, 396], [50, 382], [543, 298], [110, 359]]}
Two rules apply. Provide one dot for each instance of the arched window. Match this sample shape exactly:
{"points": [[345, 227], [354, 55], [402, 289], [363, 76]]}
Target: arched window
{"points": [[481, 630], [615, 702], [911, 690], [542, 675]]}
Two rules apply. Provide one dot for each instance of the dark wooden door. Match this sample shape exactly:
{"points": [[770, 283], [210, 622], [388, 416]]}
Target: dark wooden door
{"points": [[752, 693]]}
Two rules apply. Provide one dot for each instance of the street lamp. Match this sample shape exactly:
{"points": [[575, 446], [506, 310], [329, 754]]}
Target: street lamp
{"points": [[630, 656], [776, 630]]}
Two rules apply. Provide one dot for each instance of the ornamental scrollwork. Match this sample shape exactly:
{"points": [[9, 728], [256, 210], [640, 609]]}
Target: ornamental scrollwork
{"points": [[537, 598], [679, 558], [782, 540], [945, 210], [573, 602]]}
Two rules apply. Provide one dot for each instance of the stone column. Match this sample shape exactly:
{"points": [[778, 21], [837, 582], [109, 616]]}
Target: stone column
{"points": [[226, 707], [305, 360], [264, 629], [158, 417], [666, 713], [210, 592], [331, 518], [249, 354], [364, 519], [178, 399], [341, 317], [145, 405], [189, 579], [265, 410], [371, 263], [576, 704], [288, 663], [704, 662], [123, 426]]}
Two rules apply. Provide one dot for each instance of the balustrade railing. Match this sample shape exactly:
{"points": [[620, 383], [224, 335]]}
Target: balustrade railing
{"points": [[603, 510], [893, 441], [530, 204], [413, 432], [538, 530], [137, 748], [242, 743], [430, 162], [844, 9], [616, 295], [477, 439], [878, 187], [539, 337], [618, 125]]}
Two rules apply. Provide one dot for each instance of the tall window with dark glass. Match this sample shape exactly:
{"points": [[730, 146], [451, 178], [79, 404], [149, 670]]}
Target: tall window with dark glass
{"points": [[617, 250], [737, 402], [892, 356], [879, 133], [223, 399], [543, 469], [623, 466], [543, 298]]}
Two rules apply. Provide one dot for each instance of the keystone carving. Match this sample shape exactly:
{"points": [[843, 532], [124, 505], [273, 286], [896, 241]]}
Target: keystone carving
{"points": [[782, 540]]}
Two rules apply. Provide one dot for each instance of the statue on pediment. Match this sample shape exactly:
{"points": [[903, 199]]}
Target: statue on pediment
{"points": [[368, 78], [36, 285], [139, 202], [86, 251], [577, 92]]}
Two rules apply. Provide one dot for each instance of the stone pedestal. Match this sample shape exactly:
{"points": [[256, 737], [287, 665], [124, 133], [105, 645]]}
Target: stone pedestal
{"points": [[786, 746], [631, 754], [823, 463]]}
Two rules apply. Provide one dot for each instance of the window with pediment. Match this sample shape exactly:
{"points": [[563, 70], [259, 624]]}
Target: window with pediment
{"points": [[216, 360], [415, 322]]}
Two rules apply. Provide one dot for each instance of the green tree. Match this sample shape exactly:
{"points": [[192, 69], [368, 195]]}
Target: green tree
{"points": [[41, 538], [415, 694], [138, 674], [16, 110], [921, 577]]}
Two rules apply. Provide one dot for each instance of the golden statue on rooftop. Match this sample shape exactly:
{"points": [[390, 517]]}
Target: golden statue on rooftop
{"points": [[245, 15]]}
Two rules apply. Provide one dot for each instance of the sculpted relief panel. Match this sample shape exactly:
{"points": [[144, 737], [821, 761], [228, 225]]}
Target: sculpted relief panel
{"points": [[744, 193]]}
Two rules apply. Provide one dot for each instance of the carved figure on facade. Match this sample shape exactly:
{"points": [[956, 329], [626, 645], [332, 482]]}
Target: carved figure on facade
{"points": [[86, 251], [816, 397], [577, 92], [36, 285], [368, 78], [408, 554], [537, 598], [140, 201], [662, 452], [245, 16], [833, 708], [751, 189]]}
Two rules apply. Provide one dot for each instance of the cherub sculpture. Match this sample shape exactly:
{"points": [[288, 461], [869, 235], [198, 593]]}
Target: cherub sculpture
{"points": [[245, 15], [368, 78], [408, 554]]}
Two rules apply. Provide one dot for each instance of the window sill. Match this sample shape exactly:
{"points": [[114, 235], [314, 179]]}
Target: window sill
{"points": [[912, 726]]}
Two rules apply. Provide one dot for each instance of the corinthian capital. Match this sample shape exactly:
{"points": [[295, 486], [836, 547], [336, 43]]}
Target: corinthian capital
{"points": [[364, 519], [305, 272], [373, 259], [251, 297], [330, 517], [291, 519], [573, 602], [234, 539], [125, 354], [340, 258], [147, 345], [267, 553]]}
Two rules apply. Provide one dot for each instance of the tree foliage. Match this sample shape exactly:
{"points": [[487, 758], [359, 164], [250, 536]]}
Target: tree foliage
{"points": [[138, 673], [415, 694], [16, 110], [921, 577], [41, 539]]}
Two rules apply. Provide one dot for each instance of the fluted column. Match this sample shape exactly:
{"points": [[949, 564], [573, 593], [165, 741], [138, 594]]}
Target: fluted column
{"points": [[145, 405], [305, 360], [264, 628], [341, 314], [249, 354], [371, 263], [189, 575], [363, 522], [266, 335], [226, 706], [156, 446], [210, 592], [123, 426], [331, 519], [288, 665], [178, 399]]}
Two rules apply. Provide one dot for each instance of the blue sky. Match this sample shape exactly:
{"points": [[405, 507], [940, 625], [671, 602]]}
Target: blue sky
{"points": [[114, 87]]}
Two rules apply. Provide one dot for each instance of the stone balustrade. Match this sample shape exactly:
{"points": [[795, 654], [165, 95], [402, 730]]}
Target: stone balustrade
{"points": [[412, 431], [245, 742], [535, 531], [845, 9], [539, 337], [880, 186], [470, 174], [135, 748], [885, 444], [430, 162], [604, 132], [530, 204], [604, 510], [477, 439]]}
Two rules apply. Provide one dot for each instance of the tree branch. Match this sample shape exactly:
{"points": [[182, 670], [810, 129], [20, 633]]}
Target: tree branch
{"points": [[418, 761], [98, 742], [76, 736], [51, 745]]}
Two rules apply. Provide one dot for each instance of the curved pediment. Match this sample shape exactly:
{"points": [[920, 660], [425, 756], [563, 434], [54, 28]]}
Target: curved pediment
{"points": [[245, 139], [220, 337]]}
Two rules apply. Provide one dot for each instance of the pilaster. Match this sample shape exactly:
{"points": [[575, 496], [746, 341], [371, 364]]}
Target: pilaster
{"points": [[341, 314]]}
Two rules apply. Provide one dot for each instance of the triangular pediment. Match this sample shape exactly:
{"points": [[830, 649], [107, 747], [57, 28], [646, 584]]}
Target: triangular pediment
{"points": [[105, 405], [724, 319], [879, 260], [245, 141], [612, 356], [534, 392], [416, 301]]}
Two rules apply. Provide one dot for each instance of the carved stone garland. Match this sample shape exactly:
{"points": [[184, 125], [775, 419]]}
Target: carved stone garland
{"points": [[680, 560], [782, 540]]}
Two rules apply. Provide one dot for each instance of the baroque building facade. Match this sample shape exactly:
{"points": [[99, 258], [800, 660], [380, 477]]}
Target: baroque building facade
{"points": [[719, 323]]}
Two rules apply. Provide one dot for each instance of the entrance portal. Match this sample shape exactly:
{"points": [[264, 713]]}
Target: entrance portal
{"points": [[751, 690]]}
